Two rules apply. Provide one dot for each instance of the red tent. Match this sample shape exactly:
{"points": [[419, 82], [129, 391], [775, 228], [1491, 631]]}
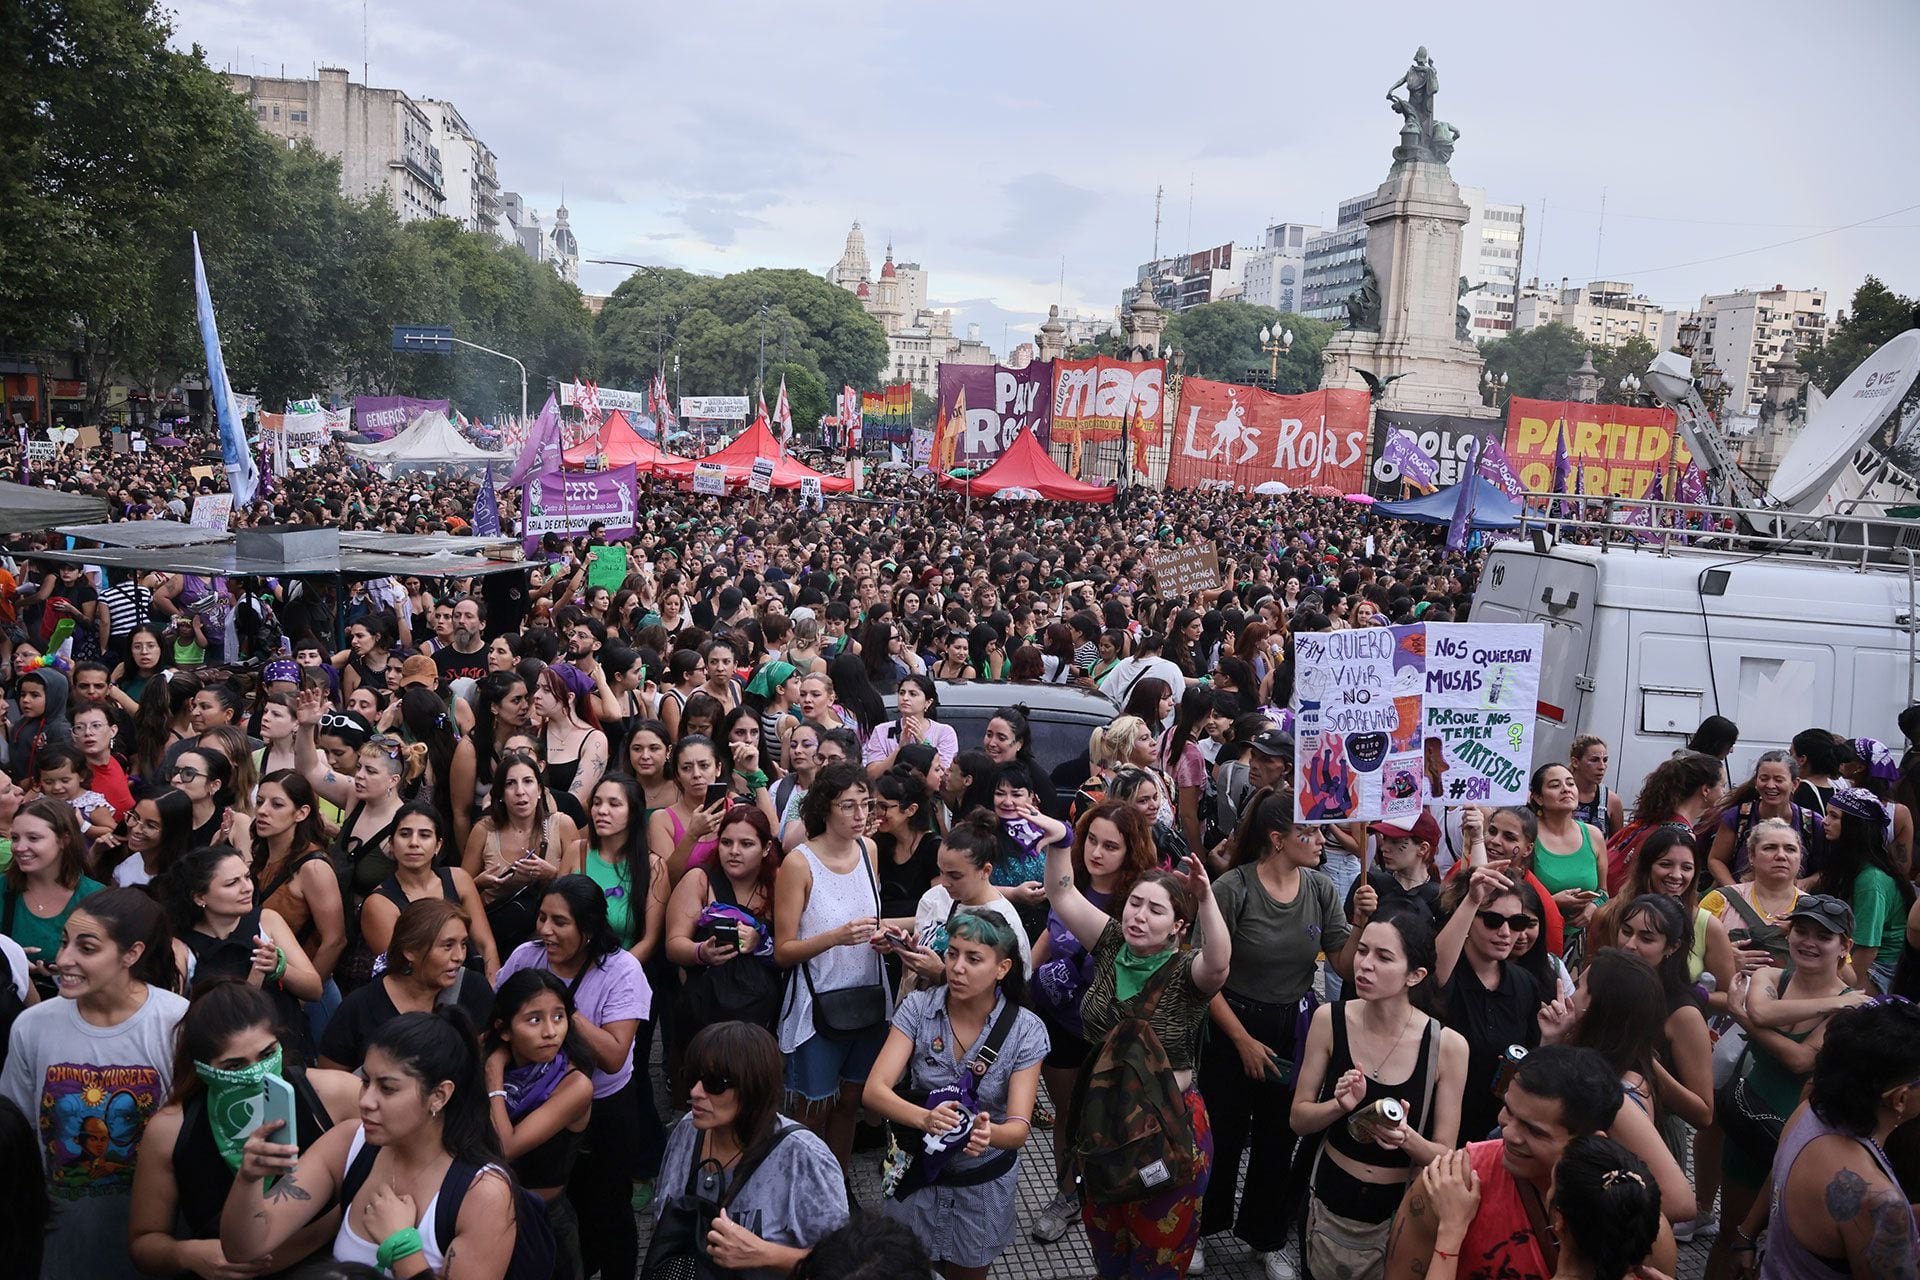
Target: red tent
{"points": [[622, 444], [1025, 465], [755, 442]]}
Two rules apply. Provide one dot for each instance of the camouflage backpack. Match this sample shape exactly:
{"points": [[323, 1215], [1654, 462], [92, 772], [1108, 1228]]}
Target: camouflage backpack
{"points": [[1134, 1134]]}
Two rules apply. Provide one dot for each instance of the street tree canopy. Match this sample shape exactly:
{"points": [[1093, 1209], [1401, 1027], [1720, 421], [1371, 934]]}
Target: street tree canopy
{"points": [[1876, 314], [1222, 341]]}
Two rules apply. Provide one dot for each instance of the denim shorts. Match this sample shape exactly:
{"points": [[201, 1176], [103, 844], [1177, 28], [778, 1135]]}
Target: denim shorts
{"points": [[818, 1066]]}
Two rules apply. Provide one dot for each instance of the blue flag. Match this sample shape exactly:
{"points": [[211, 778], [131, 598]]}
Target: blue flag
{"points": [[243, 477], [486, 508], [1463, 504]]}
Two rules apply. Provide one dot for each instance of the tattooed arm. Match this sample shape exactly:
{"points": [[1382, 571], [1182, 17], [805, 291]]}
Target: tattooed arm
{"points": [[1410, 1245], [1874, 1221]]}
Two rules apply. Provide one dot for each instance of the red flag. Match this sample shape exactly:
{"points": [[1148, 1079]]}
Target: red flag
{"points": [[1139, 443]]}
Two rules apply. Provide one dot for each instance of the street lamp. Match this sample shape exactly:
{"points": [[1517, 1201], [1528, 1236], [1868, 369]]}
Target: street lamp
{"points": [[1495, 384], [1275, 344], [621, 262], [1630, 385]]}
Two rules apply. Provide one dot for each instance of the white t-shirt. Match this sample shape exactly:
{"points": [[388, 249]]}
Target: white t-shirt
{"points": [[936, 904], [1119, 682]]}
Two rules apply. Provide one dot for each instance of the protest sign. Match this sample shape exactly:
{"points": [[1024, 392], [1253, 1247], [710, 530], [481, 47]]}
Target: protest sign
{"points": [[211, 511], [1357, 725], [1000, 404], [760, 479], [1482, 687], [204, 473], [568, 503], [1238, 437], [607, 567], [710, 478], [40, 450], [723, 408], [1178, 572], [88, 437], [139, 444], [810, 493]]}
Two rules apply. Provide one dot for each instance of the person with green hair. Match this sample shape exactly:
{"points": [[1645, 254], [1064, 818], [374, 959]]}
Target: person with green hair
{"points": [[970, 1054]]}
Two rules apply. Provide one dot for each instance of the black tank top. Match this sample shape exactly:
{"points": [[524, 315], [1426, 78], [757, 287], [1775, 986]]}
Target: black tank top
{"points": [[1413, 1091], [551, 1163], [203, 1178], [228, 957], [390, 889]]}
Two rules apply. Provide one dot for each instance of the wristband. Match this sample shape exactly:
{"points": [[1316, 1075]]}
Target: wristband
{"points": [[403, 1243], [279, 964], [756, 781], [497, 1093]]}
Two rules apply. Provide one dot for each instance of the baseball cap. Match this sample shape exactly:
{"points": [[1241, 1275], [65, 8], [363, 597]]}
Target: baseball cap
{"points": [[1423, 829], [1828, 912], [1272, 742], [420, 670]]}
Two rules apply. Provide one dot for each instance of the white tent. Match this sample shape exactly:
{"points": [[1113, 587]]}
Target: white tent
{"points": [[430, 440]]}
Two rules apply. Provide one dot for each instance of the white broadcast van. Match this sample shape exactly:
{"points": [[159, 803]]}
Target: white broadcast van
{"points": [[1643, 643]]}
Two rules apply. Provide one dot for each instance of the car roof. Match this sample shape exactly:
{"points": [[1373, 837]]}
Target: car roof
{"points": [[1062, 700]]}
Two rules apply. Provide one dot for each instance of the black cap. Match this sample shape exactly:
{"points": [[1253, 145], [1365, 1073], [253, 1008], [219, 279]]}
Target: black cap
{"points": [[1272, 742], [1828, 912]]}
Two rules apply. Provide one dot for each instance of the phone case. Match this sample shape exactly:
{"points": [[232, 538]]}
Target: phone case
{"points": [[276, 1103]]}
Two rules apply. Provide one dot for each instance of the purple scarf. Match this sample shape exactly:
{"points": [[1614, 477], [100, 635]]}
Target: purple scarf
{"points": [[529, 1086]]}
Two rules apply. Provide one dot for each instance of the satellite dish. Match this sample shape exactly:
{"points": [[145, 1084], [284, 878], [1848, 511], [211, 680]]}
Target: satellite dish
{"points": [[1848, 418]]}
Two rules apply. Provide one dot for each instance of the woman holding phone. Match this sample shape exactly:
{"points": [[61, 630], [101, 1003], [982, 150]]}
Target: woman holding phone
{"points": [[682, 833]]}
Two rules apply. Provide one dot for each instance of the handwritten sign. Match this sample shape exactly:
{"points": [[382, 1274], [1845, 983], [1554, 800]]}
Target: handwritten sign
{"points": [[760, 479], [1181, 571], [710, 478], [608, 567], [40, 451], [211, 511], [1482, 687], [1357, 724], [810, 493]]}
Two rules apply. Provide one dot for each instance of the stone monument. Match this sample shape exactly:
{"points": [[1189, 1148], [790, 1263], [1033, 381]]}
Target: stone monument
{"points": [[1403, 332]]}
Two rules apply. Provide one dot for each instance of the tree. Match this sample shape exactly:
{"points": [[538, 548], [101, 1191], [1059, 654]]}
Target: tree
{"points": [[807, 396], [1614, 363], [1877, 315], [1105, 344], [716, 325], [1222, 341], [1536, 361]]}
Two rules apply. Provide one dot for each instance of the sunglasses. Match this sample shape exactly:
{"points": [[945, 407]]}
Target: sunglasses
{"points": [[187, 775], [331, 720], [713, 1085], [1493, 920]]}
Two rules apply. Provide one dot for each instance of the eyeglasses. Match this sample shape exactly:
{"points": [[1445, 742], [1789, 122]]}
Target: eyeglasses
{"points": [[1493, 920], [184, 774], [854, 806], [712, 1085]]}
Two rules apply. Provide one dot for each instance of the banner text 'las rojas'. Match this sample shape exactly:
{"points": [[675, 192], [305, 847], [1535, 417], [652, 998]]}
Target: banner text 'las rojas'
{"points": [[1241, 437], [1001, 403], [1617, 446]]}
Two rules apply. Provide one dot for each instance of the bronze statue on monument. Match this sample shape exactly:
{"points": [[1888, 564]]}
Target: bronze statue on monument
{"points": [[1422, 137]]}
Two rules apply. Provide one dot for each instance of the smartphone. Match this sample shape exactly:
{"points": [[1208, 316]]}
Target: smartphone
{"points": [[276, 1103], [727, 935], [716, 794]]}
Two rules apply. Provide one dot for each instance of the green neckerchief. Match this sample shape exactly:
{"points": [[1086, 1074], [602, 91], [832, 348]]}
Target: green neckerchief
{"points": [[1131, 970], [233, 1103]]}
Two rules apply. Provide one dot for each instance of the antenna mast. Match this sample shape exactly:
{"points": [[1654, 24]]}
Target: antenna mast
{"points": [[1158, 192]]}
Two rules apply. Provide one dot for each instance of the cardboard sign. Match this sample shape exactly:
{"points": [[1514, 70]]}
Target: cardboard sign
{"points": [[1482, 689], [608, 568], [760, 479], [88, 438], [211, 511], [710, 478], [205, 473], [1181, 571], [810, 493]]}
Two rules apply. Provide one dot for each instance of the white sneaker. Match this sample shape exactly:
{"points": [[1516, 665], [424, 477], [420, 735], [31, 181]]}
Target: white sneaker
{"points": [[1199, 1262], [1277, 1266]]}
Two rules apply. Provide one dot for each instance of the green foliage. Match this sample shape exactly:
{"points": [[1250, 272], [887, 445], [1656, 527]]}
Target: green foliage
{"points": [[715, 326], [1630, 357], [1537, 361], [1877, 314], [807, 396], [1106, 344], [1222, 341], [119, 147], [926, 408]]}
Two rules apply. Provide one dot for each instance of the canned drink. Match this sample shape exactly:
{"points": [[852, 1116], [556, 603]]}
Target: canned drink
{"points": [[1509, 1063], [1373, 1117]]}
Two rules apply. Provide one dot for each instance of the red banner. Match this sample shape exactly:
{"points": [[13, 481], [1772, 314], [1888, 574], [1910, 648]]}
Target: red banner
{"points": [[1093, 400], [1242, 437], [1616, 447]]}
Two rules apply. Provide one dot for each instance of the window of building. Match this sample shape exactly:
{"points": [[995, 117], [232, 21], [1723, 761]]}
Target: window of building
{"points": [[298, 117]]}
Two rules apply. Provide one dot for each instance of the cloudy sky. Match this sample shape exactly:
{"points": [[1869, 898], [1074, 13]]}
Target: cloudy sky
{"points": [[992, 142]]}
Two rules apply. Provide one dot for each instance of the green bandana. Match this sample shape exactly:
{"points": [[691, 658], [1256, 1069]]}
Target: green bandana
{"points": [[767, 680], [233, 1103], [1131, 970]]}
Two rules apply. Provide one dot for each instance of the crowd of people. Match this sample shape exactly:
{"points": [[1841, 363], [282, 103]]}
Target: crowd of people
{"points": [[444, 927]]}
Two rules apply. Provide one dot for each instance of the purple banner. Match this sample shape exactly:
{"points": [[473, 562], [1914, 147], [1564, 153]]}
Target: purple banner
{"points": [[1001, 403], [566, 502], [383, 416]]}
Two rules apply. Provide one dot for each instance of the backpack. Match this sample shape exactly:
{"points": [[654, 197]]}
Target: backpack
{"points": [[11, 1005], [1134, 1135], [678, 1249], [744, 989], [535, 1251]]}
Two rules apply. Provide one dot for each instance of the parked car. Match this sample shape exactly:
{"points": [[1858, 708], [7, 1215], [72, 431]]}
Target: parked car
{"points": [[1062, 717]]}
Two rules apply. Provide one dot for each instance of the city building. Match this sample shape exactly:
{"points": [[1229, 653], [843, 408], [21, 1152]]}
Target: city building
{"points": [[467, 168], [1743, 332], [1270, 275], [1086, 328], [1189, 280], [919, 338], [1490, 247], [1605, 313], [566, 250], [382, 138], [520, 225], [1331, 263]]}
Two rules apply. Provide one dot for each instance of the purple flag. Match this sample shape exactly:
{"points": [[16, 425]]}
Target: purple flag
{"points": [[1656, 488], [486, 508], [1496, 466], [1692, 486], [542, 449], [1415, 463], [1463, 506], [1562, 465]]}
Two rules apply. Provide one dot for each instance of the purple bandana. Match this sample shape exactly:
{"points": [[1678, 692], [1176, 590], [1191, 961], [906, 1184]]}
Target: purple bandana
{"points": [[529, 1086]]}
